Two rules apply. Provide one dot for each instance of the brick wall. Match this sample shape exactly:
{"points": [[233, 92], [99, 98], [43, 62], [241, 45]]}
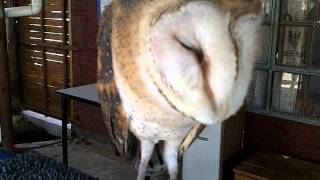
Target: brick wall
{"points": [[84, 29]]}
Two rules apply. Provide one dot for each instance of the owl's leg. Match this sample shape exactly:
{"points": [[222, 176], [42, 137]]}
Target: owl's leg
{"points": [[147, 147], [171, 149]]}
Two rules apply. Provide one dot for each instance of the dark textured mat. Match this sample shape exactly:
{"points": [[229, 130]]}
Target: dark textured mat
{"points": [[6, 155], [33, 166]]}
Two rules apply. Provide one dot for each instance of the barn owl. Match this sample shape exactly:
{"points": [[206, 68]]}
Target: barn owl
{"points": [[164, 67]]}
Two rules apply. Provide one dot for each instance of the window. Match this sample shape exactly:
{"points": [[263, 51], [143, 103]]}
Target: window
{"points": [[286, 81]]}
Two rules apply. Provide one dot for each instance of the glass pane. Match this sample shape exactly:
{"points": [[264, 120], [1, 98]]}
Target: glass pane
{"points": [[313, 101], [267, 10], [264, 40], [293, 45], [256, 98], [297, 10], [288, 92], [316, 48]]}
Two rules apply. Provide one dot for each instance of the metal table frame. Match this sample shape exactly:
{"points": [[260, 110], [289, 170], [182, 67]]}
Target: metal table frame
{"points": [[86, 94]]}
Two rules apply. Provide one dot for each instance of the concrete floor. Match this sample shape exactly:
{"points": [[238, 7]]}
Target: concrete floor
{"points": [[95, 156], [94, 159]]}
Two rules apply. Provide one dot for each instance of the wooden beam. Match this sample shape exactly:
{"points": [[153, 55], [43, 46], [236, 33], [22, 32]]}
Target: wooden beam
{"points": [[5, 90], [14, 59]]}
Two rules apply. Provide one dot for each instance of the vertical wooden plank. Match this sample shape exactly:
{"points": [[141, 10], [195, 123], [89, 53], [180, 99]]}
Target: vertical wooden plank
{"points": [[70, 42], [65, 43], [65, 39], [22, 55], [5, 91], [14, 59], [70, 77], [232, 143], [44, 58]]}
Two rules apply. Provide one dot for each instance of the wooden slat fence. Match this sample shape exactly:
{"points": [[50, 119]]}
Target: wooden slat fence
{"points": [[45, 57]]}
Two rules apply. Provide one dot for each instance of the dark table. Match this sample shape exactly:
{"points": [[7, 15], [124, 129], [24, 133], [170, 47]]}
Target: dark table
{"points": [[86, 94]]}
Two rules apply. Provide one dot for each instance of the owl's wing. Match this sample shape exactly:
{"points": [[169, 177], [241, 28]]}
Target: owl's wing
{"points": [[114, 115]]}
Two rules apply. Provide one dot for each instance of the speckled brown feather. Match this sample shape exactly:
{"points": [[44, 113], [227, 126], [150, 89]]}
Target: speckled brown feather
{"points": [[114, 115], [239, 8]]}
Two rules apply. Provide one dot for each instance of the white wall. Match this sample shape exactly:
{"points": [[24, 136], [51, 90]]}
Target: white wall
{"points": [[202, 159]]}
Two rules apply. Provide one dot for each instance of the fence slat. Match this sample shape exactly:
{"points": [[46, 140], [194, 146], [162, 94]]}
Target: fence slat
{"points": [[43, 54]]}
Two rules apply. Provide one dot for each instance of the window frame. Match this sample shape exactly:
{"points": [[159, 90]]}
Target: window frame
{"points": [[270, 67]]}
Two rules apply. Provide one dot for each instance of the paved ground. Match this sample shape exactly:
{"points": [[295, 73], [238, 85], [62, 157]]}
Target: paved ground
{"points": [[93, 159]]}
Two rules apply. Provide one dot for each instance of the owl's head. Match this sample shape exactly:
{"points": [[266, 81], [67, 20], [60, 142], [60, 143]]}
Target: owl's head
{"points": [[196, 52], [207, 50]]}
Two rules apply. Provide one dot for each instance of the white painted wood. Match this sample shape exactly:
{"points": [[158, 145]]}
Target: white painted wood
{"points": [[202, 159], [51, 125]]}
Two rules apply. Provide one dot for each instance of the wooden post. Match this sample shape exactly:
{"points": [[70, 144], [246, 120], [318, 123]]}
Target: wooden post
{"points": [[14, 59], [5, 90]]}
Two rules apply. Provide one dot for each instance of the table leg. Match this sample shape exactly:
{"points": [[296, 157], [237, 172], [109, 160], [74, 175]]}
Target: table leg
{"points": [[64, 102]]}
